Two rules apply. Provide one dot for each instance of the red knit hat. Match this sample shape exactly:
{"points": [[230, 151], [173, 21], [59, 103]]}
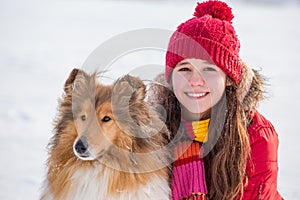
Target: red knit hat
{"points": [[209, 36]]}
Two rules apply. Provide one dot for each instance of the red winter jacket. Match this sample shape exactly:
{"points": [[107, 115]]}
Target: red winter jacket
{"points": [[262, 169]]}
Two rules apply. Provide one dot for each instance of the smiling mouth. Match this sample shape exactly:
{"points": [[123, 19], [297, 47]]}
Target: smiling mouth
{"points": [[196, 95]]}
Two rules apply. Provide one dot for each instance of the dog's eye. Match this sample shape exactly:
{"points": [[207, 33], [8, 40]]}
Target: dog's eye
{"points": [[106, 119], [83, 117]]}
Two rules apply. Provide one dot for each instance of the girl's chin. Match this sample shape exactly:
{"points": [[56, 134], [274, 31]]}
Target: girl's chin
{"points": [[193, 113]]}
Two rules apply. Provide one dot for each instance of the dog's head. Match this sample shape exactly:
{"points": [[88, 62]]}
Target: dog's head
{"points": [[104, 114]]}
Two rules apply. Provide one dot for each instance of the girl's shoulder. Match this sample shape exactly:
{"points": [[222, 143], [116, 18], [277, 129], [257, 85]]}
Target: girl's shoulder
{"points": [[260, 128]]}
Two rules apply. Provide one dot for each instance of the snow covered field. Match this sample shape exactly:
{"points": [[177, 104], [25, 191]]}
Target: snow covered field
{"points": [[41, 41]]}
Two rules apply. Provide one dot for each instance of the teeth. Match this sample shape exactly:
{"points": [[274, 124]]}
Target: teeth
{"points": [[196, 94]]}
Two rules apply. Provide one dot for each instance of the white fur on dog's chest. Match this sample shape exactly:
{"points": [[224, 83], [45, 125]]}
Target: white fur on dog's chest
{"points": [[89, 185]]}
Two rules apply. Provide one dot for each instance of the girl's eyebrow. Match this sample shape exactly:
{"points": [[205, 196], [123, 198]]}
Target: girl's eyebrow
{"points": [[209, 63], [187, 63], [183, 63]]}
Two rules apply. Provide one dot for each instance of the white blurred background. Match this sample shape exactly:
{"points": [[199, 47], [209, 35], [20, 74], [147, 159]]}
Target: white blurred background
{"points": [[41, 41]]}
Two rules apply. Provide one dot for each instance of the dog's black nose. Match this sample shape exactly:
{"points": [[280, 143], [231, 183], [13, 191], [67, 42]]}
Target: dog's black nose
{"points": [[81, 147]]}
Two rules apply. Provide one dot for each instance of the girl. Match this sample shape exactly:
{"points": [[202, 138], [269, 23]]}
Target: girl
{"points": [[225, 149]]}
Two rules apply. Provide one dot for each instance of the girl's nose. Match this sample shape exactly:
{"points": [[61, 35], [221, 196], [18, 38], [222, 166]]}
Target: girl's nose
{"points": [[196, 79]]}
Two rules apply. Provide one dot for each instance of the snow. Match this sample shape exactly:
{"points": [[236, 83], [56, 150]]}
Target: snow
{"points": [[41, 41]]}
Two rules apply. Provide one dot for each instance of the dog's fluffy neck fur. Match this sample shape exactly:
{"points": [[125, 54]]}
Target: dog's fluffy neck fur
{"points": [[94, 183]]}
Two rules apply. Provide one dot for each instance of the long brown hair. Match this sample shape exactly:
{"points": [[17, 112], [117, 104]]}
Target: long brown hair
{"points": [[225, 163], [227, 155]]}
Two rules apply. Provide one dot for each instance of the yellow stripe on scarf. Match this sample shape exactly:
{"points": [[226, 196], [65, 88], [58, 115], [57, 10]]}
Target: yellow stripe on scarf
{"points": [[200, 129]]}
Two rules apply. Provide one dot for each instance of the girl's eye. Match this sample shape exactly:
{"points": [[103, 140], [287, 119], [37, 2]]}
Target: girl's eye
{"points": [[106, 119], [83, 117], [210, 69], [184, 69]]}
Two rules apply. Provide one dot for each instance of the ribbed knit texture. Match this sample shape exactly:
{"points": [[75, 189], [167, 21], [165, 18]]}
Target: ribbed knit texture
{"points": [[188, 181], [208, 36], [198, 130]]}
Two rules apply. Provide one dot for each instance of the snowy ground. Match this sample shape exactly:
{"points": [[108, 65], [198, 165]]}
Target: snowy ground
{"points": [[41, 41]]}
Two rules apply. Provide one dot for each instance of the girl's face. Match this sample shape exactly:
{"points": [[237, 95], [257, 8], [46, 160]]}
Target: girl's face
{"points": [[198, 85]]}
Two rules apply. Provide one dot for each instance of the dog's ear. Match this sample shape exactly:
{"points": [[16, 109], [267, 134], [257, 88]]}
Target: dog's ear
{"points": [[70, 80], [69, 84], [137, 86], [128, 100]]}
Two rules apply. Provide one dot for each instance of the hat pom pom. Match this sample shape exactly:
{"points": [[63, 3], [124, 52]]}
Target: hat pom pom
{"points": [[217, 9]]}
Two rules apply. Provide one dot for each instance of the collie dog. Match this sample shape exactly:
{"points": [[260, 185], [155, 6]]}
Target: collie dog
{"points": [[108, 143]]}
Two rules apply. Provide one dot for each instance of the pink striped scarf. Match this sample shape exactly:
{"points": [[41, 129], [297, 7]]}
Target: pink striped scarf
{"points": [[188, 180]]}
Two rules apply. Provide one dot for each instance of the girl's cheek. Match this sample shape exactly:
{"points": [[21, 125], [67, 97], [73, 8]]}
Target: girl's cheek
{"points": [[178, 79]]}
